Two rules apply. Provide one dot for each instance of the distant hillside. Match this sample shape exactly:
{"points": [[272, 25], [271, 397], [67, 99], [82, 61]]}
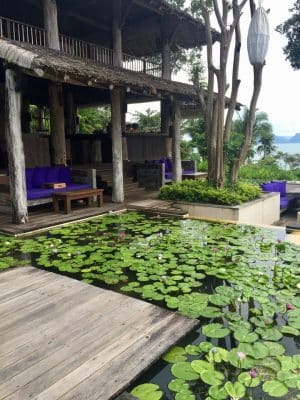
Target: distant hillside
{"points": [[288, 139]]}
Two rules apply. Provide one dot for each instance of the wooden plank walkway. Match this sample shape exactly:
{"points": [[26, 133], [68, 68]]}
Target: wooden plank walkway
{"points": [[157, 206], [63, 339]]}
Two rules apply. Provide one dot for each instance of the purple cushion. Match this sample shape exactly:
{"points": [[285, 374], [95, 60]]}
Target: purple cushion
{"points": [[188, 171], [268, 187], [29, 175], [284, 202], [53, 175], [168, 175], [168, 164], [65, 175], [281, 185], [33, 194], [39, 176]]}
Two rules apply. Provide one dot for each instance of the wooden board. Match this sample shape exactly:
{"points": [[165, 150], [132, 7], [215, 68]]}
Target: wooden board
{"points": [[63, 339]]}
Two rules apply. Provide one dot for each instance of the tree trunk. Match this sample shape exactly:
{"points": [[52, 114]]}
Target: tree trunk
{"points": [[57, 124], [117, 32], [176, 117], [165, 106], [239, 161], [51, 24], [15, 150], [116, 127], [2, 111]]}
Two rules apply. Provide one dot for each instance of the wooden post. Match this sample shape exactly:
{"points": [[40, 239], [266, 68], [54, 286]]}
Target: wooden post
{"points": [[41, 118], [176, 156], [57, 124], [70, 114], [25, 116], [116, 122], [57, 119], [51, 24], [15, 149], [117, 32], [165, 109], [2, 112]]}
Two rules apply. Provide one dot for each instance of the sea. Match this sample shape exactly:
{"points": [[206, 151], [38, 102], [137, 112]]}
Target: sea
{"points": [[290, 148]]}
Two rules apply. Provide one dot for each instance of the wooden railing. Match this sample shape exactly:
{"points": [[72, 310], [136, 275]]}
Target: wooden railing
{"points": [[36, 36]]}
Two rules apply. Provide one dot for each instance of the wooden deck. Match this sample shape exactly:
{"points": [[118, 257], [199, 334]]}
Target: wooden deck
{"points": [[157, 206], [45, 218], [63, 339]]}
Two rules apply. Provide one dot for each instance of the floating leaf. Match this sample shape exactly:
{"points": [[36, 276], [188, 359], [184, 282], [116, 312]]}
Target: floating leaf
{"points": [[269, 334], [218, 354], [178, 385], [289, 330], [175, 354], [147, 391], [192, 350], [246, 380], [275, 349], [183, 370], [275, 388], [235, 390], [218, 393], [215, 331], [243, 335], [201, 365], [212, 377], [290, 379], [205, 346], [185, 396]]}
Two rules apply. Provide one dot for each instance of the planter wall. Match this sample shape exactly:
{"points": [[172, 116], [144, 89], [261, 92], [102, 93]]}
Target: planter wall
{"points": [[265, 210]]}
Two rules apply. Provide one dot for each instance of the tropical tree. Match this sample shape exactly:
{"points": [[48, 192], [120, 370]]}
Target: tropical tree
{"points": [[149, 119], [94, 119], [266, 145], [291, 29]]}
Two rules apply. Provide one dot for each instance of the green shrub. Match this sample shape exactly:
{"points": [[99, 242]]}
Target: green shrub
{"points": [[201, 192], [267, 170]]}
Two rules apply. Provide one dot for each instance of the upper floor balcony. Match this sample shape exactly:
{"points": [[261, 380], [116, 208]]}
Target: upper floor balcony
{"points": [[36, 36]]}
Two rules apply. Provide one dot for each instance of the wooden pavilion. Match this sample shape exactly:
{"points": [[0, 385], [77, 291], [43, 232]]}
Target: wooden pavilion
{"points": [[65, 53]]}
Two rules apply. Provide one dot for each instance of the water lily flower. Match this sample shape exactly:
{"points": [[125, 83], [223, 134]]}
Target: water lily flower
{"points": [[289, 307], [51, 245], [241, 355], [54, 251], [7, 243], [160, 256], [69, 255], [215, 250], [163, 277], [253, 373]]}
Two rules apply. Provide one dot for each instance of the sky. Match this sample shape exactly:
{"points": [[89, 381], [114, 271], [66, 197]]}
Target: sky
{"points": [[280, 94]]}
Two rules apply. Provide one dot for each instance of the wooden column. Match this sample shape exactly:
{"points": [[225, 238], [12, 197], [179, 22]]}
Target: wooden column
{"points": [[57, 125], [116, 122], [25, 115], [2, 112], [165, 108], [51, 24], [41, 118], [57, 118], [176, 156], [70, 114], [15, 149], [117, 31]]}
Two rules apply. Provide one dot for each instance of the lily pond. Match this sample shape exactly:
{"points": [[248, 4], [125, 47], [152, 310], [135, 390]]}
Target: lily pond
{"points": [[239, 281]]}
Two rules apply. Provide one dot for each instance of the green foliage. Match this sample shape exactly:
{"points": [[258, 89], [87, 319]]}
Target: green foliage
{"points": [[147, 120], [94, 119], [291, 29], [267, 170], [201, 192]]}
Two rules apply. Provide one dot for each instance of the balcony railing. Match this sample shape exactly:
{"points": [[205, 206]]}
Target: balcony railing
{"points": [[36, 36]]}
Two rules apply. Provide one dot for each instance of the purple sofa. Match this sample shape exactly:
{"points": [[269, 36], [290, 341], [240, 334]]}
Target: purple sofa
{"points": [[188, 166], [36, 177], [278, 186]]}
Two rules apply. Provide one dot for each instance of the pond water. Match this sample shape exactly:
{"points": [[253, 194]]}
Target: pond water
{"points": [[241, 282]]}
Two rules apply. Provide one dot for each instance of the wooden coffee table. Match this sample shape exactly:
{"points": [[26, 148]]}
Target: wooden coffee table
{"points": [[69, 195], [194, 175]]}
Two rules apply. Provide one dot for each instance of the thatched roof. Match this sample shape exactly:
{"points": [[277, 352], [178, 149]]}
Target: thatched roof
{"points": [[57, 66]]}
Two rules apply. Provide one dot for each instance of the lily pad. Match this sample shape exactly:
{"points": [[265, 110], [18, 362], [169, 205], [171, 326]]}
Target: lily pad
{"points": [[275, 388], [246, 380], [275, 349], [235, 390], [243, 335], [271, 334], [215, 331], [175, 354], [183, 370], [218, 393], [212, 377], [147, 391], [178, 385]]}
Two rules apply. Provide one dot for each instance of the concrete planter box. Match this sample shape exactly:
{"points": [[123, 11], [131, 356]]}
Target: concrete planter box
{"points": [[265, 210]]}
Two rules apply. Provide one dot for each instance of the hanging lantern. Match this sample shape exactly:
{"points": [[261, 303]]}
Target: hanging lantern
{"points": [[258, 37]]}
